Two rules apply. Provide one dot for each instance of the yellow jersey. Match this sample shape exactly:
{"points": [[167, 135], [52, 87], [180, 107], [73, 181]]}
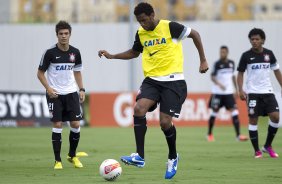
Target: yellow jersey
{"points": [[161, 53]]}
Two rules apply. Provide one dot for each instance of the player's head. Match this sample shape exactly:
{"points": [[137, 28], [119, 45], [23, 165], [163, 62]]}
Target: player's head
{"points": [[63, 31], [145, 15], [223, 52], [257, 38]]}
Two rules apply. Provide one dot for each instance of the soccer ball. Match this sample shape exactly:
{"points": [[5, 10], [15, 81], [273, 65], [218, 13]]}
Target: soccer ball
{"points": [[110, 169]]}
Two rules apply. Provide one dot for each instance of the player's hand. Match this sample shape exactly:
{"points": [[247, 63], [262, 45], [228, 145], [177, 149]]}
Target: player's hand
{"points": [[223, 88], [81, 96], [52, 93], [204, 66], [105, 53], [243, 95]]}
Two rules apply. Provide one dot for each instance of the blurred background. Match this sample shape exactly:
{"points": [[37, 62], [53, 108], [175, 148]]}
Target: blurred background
{"points": [[27, 29]]}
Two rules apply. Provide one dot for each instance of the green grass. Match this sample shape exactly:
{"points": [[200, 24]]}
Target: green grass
{"points": [[26, 157]]}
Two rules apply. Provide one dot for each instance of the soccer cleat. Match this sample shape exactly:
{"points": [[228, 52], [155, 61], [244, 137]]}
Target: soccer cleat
{"points": [[210, 138], [242, 138], [58, 165], [134, 159], [171, 167], [75, 161], [270, 151], [258, 154]]}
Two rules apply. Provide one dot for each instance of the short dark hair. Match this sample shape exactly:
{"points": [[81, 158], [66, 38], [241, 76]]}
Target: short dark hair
{"points": [[62, 25], [257, 31], [224, 47], [143, 8]]}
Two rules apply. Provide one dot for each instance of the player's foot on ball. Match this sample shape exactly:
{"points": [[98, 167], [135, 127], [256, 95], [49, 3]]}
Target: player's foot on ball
{"points": [[270, 151], [258, 154], [210, 138], [75, 161], [171, 167], [58, 165], [134, 159], [242, 138]]}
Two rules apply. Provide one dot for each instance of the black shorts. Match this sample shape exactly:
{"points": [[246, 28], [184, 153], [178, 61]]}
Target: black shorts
{"points": [[218, 101], [65, 108], [169, 94], [261, 104]]}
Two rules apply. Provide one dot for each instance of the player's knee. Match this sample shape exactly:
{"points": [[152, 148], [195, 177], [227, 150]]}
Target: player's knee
{"points": [[234, 112], [140, 110], [274, 118], [75, 124], [57, 124], [165, 122]]}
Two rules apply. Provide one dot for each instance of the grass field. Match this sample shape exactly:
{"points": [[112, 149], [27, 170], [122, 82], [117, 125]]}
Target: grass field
{"points": [[26, 157]]}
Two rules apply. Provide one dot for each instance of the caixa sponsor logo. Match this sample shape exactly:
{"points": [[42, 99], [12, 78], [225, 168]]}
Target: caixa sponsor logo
{"points": [[64, 67], [260, 66], [23, 106]]}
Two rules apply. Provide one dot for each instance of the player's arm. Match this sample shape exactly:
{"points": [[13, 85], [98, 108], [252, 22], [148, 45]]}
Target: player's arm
{"points": [[134, 52], [198, 43], [50, 91], [129, 54], [78, 77], [235, 85], [214, 80], [240, 76], [240, 79], [43, 66]]}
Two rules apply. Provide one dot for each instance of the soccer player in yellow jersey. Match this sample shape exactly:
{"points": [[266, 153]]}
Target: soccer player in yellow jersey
{"points": [[159, 41]]}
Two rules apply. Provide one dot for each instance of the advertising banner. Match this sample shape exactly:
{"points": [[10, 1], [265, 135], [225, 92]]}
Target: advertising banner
{"points": [[23, 109], [116, 109]]}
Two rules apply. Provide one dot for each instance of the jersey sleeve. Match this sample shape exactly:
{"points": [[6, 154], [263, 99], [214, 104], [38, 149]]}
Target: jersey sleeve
{"points": [[179, 31], [214, 70], [137, 46], [45, 61], [242, 64], [273, 62], [78, 62]]}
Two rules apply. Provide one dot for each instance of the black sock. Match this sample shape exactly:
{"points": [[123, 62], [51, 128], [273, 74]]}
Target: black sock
{"points": [[73, 139], [140, 129], [170, 135], [236, 124], [254, 139], [57, 142], [270, 135], [211, 124]]}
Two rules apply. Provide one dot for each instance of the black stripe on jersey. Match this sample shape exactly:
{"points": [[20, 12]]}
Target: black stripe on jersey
{"points": [[56, 56], [251, 57], [176, 30], [225, 66], [137, 46]]}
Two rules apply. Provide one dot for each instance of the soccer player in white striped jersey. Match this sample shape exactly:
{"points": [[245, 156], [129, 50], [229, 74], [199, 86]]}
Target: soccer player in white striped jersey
{"points": [[259, 61], [63, 66]]}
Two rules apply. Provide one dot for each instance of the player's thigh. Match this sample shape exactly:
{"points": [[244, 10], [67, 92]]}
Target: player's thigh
{"points": [[148, 96], [55, 107], [255, 106], [229, 102], [272, 107], [215, 102], [172, 98], [72, 108]]}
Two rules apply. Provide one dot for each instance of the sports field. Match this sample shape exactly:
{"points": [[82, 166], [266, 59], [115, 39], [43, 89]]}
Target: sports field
{"points": [[26, 157]]}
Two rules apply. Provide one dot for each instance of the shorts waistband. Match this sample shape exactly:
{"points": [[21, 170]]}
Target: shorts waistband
{"points": [[170, 77]]}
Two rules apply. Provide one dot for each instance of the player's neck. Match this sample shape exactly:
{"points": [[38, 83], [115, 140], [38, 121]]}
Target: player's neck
{"points": [[63, 47], [257, 50]]}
